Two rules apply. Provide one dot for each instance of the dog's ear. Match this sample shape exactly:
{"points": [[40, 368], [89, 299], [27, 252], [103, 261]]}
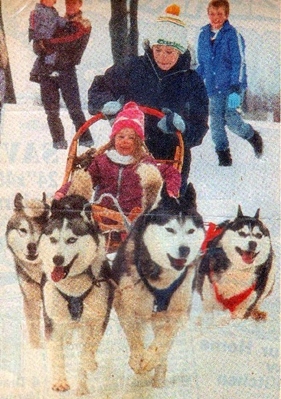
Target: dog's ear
{"points": [[45, 202], [239, 212], [190, 196], [18, 204], [55, 204], [257, 215]]}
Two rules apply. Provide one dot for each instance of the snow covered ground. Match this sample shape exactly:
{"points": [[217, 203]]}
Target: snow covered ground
{"points": [[237, 360]]}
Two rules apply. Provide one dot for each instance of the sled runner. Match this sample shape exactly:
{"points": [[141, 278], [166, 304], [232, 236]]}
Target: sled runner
{"points": [[114, 223]]}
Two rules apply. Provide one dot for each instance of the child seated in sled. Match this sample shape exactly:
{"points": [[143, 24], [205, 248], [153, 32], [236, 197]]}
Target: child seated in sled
{"points": [[114, 169]]}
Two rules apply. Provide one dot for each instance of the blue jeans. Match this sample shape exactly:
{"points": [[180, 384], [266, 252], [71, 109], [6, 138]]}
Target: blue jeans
{"points": [[221, 116]]}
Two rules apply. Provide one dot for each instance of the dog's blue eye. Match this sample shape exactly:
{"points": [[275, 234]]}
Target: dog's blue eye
{"points": [[170, 230], [71, 240], [53, 240], [191, 231]]}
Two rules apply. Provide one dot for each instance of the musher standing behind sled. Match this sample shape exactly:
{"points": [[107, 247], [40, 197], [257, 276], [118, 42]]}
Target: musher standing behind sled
{"points": [[161, 79]]}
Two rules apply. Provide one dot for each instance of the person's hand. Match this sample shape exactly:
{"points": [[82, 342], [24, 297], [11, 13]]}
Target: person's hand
{"points": [[234, 100], [111, 108], [171, 122]]}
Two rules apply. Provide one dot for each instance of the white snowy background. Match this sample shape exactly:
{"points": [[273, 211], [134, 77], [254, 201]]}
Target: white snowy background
{"points": [[237, 360]]}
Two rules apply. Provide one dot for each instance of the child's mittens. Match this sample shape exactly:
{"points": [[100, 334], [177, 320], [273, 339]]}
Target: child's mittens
{"points": [[233, 100], [171, 122]]}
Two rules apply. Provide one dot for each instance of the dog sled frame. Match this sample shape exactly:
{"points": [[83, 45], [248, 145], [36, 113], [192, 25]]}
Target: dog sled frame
{"points": [[120, 223]]}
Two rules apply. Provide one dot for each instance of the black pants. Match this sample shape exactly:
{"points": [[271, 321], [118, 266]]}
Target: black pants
{"points": [[50, 87]]}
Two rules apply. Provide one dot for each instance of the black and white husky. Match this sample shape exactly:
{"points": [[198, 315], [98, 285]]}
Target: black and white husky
{"points": [[236, 273], [76, 293], [154, 269], [22, 236]]}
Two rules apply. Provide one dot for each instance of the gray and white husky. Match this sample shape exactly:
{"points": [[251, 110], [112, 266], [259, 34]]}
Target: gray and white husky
{"points": [[22, 236], [154, 269], [76, 294], [237, 273]]}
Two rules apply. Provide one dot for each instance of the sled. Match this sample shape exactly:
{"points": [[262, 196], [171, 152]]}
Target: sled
{"points": [[114, 224]]}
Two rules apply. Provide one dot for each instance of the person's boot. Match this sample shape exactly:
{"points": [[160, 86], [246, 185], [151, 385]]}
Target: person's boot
{"points": [[224, 158], [257, 144]]}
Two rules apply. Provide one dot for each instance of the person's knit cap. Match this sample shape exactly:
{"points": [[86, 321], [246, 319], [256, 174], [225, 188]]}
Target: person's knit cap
{"points": [[169, 30], [130, 117]]}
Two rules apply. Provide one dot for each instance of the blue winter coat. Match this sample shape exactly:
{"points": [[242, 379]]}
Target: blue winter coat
{"points": [[180, 89], [222, 61]]}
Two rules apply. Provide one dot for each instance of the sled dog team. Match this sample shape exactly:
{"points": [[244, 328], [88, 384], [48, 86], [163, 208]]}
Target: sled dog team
{"points": [[62, 268]]}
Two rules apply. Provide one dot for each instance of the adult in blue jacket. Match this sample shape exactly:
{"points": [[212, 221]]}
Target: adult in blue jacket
{"points": [[221, 59], [161, 79]]}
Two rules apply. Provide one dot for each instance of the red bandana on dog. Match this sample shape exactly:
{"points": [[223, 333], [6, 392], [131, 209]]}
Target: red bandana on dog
{"points": [[232, 302]]}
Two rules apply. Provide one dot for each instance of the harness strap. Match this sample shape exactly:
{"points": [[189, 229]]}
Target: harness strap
{"points": [[75, 304], [162, 297]]}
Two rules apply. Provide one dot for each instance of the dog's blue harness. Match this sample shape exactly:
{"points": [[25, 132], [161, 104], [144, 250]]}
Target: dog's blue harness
{"points": [[163, 296]]}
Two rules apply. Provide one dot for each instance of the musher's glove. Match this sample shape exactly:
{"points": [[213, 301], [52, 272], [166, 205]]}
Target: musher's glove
{"points": [[171, 122], [234, 100], [111, 108]]}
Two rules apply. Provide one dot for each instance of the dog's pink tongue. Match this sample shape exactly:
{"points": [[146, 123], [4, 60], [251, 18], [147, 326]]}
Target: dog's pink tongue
{"points": [[57, 274], [248, 257]]}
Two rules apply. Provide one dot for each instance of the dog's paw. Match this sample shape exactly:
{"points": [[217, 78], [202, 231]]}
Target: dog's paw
{"points": [[82, 389], [150, 359], [258, 315], [135, 363], [159, 376], [61, 386]]}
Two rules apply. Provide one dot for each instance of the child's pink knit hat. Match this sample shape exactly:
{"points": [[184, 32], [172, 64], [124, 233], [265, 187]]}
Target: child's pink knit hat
{"points": [[130, 116]]}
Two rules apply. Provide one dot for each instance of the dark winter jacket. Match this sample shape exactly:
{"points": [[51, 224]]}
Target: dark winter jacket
{"points": [[70, 47], [222, 61], [139, 79], [69, 44], [123, 182]]}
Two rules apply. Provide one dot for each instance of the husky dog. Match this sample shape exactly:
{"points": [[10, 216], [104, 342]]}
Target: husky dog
{"points": [[22, 235], [76, 293], [154, 269], [236, 272]]}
